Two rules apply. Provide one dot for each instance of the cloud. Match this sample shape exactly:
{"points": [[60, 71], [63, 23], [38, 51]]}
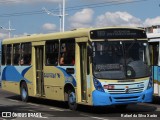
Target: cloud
{"points": [[3, 35], [21, 35], [49, 27], [118, 19], [82, 18], [152, 21]]}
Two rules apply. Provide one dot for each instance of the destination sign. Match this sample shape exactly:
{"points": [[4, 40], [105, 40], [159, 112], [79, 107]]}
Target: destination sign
{"points": [[117, 33]]}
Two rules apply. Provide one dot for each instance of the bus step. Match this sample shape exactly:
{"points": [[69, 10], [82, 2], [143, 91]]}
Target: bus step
{"points": [[84, 101]]}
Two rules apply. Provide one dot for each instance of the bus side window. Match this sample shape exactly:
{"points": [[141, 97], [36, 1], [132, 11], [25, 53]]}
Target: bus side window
{"points": [[16, 54], [25, 58], [3, 54], [67, 52], [52, 49], [154, 53], [8, 56]]}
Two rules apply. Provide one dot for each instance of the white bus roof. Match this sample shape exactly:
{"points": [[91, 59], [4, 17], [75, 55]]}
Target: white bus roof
{"points": [[153, 37]]}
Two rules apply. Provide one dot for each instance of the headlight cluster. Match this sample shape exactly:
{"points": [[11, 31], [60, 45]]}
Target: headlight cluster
{"points": [[98, 85]]}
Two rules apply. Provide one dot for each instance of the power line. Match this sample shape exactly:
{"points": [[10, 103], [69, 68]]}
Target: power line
{"points": [[71, 8], [110, 3], [22, 13]]}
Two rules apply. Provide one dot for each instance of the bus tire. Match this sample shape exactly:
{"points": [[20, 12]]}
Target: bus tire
{"points": [[72, 100], [24, 92]]}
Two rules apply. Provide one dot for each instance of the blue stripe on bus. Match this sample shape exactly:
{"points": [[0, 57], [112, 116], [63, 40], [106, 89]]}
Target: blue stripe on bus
{"points": [[10, 73], [68, 75], [155, 69], [156, 73], [103, 98], [25, 70]]}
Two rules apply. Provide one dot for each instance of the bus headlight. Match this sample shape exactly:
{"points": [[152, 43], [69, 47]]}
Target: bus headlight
{"points": [[98, 85], [150, 84], [130, 72]]}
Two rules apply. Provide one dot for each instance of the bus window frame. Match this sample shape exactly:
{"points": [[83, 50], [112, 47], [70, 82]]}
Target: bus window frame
{"points": [[159, 53], [68, 41], [52, 41], [4, 48], [6, 56], [14, 53], [23, 53], [153, 44]]}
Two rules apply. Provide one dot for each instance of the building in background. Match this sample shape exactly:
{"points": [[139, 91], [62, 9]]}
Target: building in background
{"points": [[153, 31]]}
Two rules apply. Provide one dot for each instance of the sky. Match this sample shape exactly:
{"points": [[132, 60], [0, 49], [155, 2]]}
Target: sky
{"points": [[27, 16]]}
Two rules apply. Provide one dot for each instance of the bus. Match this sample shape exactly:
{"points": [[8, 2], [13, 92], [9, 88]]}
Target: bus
{"points": [[154, 43], [92, 66]]}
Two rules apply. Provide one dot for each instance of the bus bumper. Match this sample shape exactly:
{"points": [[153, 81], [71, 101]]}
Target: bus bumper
{"points": [[104, 99]]}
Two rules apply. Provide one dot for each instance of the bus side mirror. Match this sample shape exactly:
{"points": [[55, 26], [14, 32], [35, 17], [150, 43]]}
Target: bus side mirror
{"points": [[89, 51]]}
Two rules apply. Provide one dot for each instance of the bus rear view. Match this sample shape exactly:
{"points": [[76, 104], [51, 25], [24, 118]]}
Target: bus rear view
{"points": [[120, 66]]}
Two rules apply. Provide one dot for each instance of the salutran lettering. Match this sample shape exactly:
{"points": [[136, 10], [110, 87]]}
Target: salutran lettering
{"points": [[123, 32], [51, 75], [117, 34]]}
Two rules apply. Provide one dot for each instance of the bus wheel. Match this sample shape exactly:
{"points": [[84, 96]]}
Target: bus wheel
{"points": [[24, 92], [72, 100]]}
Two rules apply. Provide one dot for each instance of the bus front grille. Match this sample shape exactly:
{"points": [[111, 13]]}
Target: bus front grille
{"points": [[127, 88]]}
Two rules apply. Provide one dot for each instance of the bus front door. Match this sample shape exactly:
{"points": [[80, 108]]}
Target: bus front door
{"points": [[39, 70], [83, 70], [154, 47]]}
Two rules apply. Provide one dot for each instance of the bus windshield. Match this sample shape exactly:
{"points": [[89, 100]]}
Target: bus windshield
{"points": [[121, 59]]}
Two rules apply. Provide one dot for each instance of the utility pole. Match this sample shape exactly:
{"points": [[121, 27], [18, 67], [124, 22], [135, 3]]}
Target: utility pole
{"points": [[60, 15], [9, 29], [63, 16]]}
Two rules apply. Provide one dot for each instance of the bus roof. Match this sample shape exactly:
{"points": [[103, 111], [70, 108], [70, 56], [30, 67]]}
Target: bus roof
{"points": [[50, 36], [153, 37], [82, 32]]}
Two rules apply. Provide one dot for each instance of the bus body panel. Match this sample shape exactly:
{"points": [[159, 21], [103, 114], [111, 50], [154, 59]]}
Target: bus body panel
{"points": [[103, 99], [53, 83], [154, 42], [123, 93], [12, 76], [55, 79], [156, 79]]}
